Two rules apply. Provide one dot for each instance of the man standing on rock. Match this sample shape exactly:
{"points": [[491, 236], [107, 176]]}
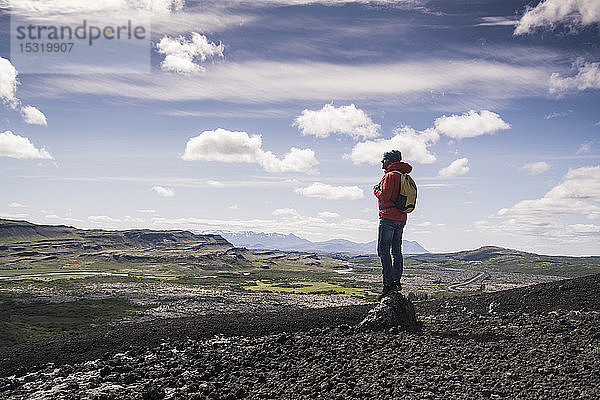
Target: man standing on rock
{"points": [[391, 221]]}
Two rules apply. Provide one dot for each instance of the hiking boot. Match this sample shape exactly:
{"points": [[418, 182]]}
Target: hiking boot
{"points": [[397, 286], [386, 290]]}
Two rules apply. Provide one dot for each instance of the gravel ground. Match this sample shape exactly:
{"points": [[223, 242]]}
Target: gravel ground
{"points": [[536, 342]]}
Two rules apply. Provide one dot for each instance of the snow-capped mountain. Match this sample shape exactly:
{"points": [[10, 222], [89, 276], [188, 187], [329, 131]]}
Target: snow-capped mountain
{"points": [[291, 242]]}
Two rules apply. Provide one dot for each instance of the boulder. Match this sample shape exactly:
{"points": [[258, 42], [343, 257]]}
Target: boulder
{"points": [[393, 311]]}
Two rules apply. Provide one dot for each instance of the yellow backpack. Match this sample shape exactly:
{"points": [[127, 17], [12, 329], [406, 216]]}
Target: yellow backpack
{"points": [[407, 196]]}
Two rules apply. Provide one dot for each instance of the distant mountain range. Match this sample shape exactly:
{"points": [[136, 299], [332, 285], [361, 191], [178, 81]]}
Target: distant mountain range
{"points": [[291, 242]]}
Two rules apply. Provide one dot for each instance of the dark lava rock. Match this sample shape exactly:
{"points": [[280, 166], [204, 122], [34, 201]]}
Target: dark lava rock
{"points": [[153, 392], [462, 351], [393, 311]]}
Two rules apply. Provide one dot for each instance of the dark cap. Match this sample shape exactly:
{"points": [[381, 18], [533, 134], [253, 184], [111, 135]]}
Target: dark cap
{"points": [[393, 156]]}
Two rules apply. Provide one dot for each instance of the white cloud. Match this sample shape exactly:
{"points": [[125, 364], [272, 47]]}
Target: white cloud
{"points": [[413, 144], [588, 77], [8, 83], [328, 214], [170, 6], [132, 219], [536, 168], [50, 7], [275, 3], [470, 124], [32, 115], [13, 216], [584, 229], [346, 120], [224, 146], [585, 147], [296, 160], [227, 146], [497, 21], [456, 168], [146, 211], [550, 13], [577, 194], [8, 89], [65, 219], [324, 191], [163, 191], [98, 219], [180, 53], [216, 184], [557, 114], [286, 212], [258, 82], [558, 218], [16, 205], [308, 227], [16, 146]]}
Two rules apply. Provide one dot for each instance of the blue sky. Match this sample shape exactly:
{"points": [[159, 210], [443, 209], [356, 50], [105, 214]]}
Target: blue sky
{"points": [[272, 116]]}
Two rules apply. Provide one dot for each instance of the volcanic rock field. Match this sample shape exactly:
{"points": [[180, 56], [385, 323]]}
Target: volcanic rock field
{"points": [[536, 342]]}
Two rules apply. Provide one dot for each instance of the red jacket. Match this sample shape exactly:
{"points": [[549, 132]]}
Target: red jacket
{"points": [[387, 191]]}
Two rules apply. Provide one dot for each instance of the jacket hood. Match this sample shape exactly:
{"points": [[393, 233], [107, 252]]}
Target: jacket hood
{"points": [[399, 166]]}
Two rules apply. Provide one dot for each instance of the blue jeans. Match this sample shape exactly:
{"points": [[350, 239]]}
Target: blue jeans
{"points": [[390, 238]]}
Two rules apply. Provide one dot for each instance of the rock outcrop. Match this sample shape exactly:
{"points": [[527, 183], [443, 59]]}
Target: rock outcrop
{"points": [[393, 311]]}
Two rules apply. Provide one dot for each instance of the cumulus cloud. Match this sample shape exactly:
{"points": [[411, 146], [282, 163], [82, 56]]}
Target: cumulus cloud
{"points": [[324, 191], [8, 94], [577, 194], [163, 191], [470, 124], [298, 160], [552, 221], [223, 145], [32, 115], [456, 168], [16, 146], [8, 83], [16, 205], [345, 120], [550, 13], [413, 144], [536, 168], [181, 54], [587, 77], [227, 146]]}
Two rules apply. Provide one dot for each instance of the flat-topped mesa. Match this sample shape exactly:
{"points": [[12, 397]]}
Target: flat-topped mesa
{"points": [[147, 236], [11, 230]]}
